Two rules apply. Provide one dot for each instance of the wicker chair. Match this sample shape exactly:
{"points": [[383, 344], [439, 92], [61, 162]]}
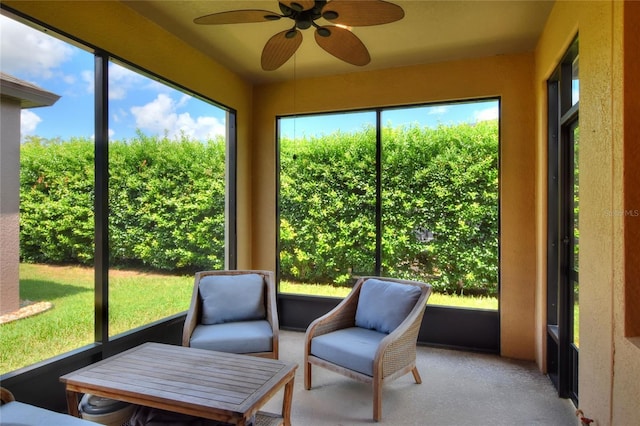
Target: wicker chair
{"points": [[354, 340], [239, 313]]}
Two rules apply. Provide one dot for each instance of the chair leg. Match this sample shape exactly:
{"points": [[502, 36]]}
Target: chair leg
{"points": [[377, 400], [416, 375], [307, 375]]}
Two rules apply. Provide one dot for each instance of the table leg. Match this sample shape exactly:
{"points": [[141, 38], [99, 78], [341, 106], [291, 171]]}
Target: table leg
{"points": [[286, 402], [72, 403]]}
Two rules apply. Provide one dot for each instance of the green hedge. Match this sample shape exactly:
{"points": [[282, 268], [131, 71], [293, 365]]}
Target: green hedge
{"points": [[441, 182], [166, 201], [56, 201], [167, 205]]}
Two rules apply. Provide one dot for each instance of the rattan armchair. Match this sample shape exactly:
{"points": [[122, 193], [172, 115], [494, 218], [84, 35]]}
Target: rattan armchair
{"points": [[252, 335], [335, 340]]}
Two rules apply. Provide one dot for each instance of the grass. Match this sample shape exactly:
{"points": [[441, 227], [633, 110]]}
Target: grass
{"points": [[434, 299], [135, 299]]}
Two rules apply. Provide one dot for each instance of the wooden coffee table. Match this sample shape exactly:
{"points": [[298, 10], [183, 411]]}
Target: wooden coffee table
{"points": [[213, 385]]}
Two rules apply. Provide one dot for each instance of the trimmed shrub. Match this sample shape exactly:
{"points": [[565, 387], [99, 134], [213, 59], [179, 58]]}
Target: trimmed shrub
{"points": [[56, 201], [166, 203], [439, 206]]}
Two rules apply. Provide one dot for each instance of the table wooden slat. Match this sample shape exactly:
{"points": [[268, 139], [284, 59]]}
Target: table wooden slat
{"points": [[194, 381]]}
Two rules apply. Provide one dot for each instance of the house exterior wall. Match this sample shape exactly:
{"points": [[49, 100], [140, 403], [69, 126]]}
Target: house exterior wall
{"points": [[10, 204], [509, 76], [609, 370]]}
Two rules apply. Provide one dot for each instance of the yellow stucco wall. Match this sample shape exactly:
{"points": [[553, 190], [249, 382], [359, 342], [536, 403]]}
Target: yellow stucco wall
{"points": [[112, 26], [509, 77], [609, 372]]}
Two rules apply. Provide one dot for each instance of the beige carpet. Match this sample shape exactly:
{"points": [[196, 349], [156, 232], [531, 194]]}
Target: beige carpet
{"points": [[458, 388]]}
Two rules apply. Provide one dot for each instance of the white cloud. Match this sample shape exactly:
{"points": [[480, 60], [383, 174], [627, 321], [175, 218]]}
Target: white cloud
{"points": [[160, 116], [27, 52], [69, 79], [119, 115], [29, 120], [438, 110], [89, 81], [486, 114], [121, 80], [183, 101]]}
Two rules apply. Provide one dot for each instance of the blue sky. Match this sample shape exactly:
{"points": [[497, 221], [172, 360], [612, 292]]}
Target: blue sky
{"points": [[430, 116], [135, 101], [138, 102]]}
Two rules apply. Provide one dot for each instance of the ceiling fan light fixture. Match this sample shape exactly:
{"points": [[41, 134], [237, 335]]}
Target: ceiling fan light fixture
{"points": [[296, 6], [330, 15], [323, 32], [291, 33]]}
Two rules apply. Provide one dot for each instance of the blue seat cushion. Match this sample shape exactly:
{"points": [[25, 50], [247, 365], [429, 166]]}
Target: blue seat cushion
{"points": [[18, 413], [235, 337], [383, 305], [353, 348], [229, 298]]}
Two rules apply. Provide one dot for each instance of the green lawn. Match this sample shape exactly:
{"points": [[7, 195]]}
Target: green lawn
{"points": [[434, 299], [135, 299]]}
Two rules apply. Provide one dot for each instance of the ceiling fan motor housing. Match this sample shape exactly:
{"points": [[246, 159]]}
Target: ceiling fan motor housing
{"points": [[304, 19]]}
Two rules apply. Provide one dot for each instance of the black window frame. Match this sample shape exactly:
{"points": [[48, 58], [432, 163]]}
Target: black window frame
{"points": [[562, 274]]}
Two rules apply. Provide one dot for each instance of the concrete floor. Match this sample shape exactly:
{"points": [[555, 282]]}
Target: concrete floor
{"points": [[458, 388]]}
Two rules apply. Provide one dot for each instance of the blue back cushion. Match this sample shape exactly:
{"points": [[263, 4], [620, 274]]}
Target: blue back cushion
{"points": [[383, 305], [228, 298]]}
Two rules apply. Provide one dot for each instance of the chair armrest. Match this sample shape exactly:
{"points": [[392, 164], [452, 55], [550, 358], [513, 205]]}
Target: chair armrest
{"points": [[193, 315], [6, 396], [342, 316], [272, 309]]}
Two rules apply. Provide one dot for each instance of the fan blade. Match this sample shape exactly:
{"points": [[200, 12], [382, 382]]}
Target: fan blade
{"points": [[299, 5], [280, 48], [362, 13], [342, 44], [237, 17]]}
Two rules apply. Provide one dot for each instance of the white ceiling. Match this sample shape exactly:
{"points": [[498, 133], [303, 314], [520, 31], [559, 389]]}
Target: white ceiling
{"points": [[431, 31]]}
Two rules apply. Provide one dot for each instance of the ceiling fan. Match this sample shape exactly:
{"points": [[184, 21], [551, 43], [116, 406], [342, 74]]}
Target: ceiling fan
{"points": [[336, 39]]}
